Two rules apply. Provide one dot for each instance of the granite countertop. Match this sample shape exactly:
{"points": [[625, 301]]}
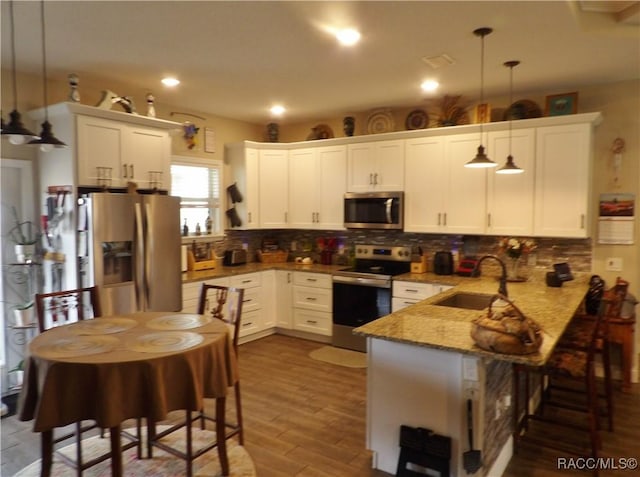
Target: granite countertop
{"points": [[447, 328], [221, 271]]}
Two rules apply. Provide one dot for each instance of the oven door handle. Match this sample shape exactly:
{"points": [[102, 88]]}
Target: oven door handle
{"points": [[367, 282]]}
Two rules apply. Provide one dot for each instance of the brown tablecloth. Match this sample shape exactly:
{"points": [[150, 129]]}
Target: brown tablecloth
{"points": [[123, 383]]}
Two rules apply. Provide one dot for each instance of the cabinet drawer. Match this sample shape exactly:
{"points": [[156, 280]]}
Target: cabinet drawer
{"points": [[309, 298], [248, 280], [250, 322], [308, 279], [252, 300], [312, 321], [400, 303], [418, 291]]}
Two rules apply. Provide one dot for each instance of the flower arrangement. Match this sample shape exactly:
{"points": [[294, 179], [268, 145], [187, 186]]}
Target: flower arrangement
{"points": [[516, 247]]}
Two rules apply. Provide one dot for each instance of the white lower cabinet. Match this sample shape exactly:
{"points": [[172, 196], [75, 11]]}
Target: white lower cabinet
{"points": [[252, 304], [191, 293], [409, 293], [283, 299], [312, 302]]}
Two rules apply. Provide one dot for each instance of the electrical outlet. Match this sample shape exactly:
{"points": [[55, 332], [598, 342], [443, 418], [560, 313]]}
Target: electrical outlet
{"points": [[614, 264], [469, 369]]}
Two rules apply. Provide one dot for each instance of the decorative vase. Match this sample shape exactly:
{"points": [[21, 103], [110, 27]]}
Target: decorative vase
{"points": [[273, 132], [349, 125], [515, 273]]}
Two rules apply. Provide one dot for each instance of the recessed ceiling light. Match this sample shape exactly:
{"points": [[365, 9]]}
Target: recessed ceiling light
{"points": [[348, 36], [277, 110], [429, 85], [171, 82]]}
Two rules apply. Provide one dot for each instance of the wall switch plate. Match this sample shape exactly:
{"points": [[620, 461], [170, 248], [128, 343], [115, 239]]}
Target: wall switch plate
{"points": [[614, 264]]}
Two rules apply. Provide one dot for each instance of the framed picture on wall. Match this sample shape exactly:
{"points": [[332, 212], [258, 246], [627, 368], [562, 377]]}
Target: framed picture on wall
{"points": [[560, 104]]}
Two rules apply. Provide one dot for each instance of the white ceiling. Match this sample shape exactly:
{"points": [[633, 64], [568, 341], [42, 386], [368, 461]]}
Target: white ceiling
{"points": [[236, 58]]}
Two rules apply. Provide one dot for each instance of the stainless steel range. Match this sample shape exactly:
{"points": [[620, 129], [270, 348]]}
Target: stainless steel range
{"points": [[362, 293]]}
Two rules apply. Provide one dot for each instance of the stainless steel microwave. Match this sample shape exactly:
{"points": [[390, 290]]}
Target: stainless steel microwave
{"points": [[374, 210]]}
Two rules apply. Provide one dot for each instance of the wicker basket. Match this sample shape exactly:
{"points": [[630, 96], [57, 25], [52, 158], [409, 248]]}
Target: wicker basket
{"points": [[276, 256]]}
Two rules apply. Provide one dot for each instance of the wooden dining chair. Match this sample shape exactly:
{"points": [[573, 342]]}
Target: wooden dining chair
{"points": [[61, 308], [225, 304]]}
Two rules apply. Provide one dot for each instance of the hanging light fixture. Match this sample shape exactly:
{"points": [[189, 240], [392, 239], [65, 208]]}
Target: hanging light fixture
{"points": [[47, 140], [481, 160], [15, 130], [510, 166]]}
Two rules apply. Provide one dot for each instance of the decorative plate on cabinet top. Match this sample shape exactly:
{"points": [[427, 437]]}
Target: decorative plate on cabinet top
{"points": [[522, 109], [417, 119], [380, 122]]}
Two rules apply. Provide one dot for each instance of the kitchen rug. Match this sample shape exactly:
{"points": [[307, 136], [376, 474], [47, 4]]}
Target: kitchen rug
{"points": [[162, 464], [340, 357]]}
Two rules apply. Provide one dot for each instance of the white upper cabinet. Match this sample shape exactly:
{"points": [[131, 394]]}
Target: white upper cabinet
{"points": [[563, 179], [510, 196], [441, 195], [317, 183], [466, 190], [110, 148], [100, 151], [244, 173], [424, 193], [273, 165], [376, 166]]}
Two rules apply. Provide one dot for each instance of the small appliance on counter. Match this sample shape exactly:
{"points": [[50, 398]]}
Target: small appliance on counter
{"points": [[561, 273], [234, 257], [466, 266], [443, 263]]}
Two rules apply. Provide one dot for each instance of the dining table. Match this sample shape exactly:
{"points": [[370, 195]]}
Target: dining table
{"points": [[114, 368]]}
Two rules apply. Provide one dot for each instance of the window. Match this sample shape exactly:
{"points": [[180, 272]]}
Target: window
{"points": [[197, 183]]}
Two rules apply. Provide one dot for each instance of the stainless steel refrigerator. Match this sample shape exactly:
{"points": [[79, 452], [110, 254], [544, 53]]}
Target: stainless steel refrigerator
{"points": [[129, 245]]}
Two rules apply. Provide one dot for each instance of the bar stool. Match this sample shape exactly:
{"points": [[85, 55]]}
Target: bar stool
{"points": [[567, 364], [581, 328]]}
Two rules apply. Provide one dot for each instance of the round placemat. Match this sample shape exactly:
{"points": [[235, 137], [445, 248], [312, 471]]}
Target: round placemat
{"points": [[165, 341], [75, 346], [104, 326], [178, 322]]}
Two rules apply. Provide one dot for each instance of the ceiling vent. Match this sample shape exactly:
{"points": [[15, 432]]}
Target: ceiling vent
{"points": [[439, 61]]}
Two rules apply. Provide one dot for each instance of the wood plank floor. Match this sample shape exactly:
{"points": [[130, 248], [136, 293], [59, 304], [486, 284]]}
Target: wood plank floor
{"points": [[305, 418]]}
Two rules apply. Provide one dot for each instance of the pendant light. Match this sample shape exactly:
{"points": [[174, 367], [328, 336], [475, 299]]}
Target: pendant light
{"points": [[510, 166], [47, 140], [481, 160], [15, 130]]}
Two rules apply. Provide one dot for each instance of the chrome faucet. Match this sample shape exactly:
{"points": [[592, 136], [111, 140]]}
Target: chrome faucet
{"points": [[503, 278]]}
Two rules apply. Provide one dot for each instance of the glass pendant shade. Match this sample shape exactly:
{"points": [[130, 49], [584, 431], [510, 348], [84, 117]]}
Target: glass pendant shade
{"points": [[15, 131], [510, 166], [481, 160]]}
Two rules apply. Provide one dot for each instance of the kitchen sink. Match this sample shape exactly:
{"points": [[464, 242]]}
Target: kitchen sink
{"points": [[469, 301]]}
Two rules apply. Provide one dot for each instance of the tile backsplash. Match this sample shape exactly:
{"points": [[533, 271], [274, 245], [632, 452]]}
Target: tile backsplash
{"points": [[577, 252]]}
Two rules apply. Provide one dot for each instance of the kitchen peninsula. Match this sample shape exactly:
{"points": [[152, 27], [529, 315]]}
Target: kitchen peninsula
{"points": [[424, 365]]}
